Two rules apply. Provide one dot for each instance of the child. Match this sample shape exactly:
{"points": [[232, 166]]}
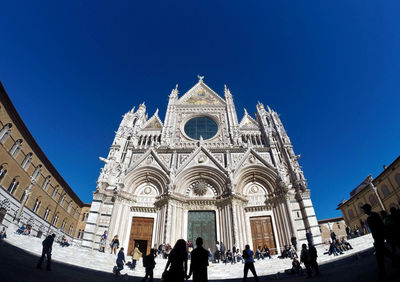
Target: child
{"points": [[149, 264]]}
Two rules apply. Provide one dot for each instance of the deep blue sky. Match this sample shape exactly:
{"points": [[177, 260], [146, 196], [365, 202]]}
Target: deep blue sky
{"points": [[330, 68]]}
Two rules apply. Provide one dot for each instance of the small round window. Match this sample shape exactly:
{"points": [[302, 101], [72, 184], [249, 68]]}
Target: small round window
{"points": [[201, 127]]}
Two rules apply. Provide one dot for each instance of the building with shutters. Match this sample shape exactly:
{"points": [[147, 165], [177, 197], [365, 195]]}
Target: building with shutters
{"points": [[201, 172]]}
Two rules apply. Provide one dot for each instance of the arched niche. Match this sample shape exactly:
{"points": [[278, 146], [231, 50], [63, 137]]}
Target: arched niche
{"points": [[150, 177], [213, 177], [256, 174]]}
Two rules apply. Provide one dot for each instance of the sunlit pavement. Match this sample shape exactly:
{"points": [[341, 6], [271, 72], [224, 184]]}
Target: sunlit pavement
{"points": [[19, 265]]}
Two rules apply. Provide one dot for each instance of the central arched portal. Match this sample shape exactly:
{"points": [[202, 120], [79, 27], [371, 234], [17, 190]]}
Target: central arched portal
{"points": [[202, 224]]}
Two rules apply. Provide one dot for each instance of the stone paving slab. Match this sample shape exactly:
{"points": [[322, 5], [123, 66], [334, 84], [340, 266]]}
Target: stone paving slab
{"points": [[105, 261]]}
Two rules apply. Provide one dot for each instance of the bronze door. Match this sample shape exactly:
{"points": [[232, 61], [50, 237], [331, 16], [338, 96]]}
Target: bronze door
{"points": [[262, 233], [141, 233], [202, 224]]}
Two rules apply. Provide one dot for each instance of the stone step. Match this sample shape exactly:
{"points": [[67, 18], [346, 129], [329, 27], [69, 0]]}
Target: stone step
{"points": [[105, 261]]}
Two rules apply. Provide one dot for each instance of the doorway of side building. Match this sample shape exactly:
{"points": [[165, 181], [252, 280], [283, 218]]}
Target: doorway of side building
{"points": [[142, 234], [202, 224], [262, 233]]}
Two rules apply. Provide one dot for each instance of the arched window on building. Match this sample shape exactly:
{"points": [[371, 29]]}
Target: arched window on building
{"points": [[70, 229], [5, 132], [76, 213], [36, 205], [27, 161], [55, 192], [46, 214], [55, 220], [46, 183], [16, 147], [37, 172], [397, 177], [64, 222], [62, 200], [385, 191], [69, 207], [3, 213], [3, 172], [80, 234], [372, 199], [13, 186], [351, 213]]}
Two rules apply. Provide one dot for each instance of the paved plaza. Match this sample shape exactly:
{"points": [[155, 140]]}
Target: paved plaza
{"points": [[19, 265], [19, 255]]}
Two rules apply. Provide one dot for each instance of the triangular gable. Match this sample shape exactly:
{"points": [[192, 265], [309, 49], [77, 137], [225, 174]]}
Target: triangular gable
{"points": [[154, 123], [150, 158], [251, 157], [201, 95], [248, 122], [201, 156]]}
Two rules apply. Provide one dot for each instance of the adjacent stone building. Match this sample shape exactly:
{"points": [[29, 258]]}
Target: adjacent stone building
{"points": [[336, 225], [201, 172], [381, 193], [32, 191]]}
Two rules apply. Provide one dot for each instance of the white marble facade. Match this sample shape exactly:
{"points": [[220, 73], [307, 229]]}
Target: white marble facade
{"points": [[247, 169]]}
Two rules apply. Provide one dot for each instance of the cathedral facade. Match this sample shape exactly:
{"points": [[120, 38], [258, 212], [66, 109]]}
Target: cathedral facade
{"points": [[201, 172]]}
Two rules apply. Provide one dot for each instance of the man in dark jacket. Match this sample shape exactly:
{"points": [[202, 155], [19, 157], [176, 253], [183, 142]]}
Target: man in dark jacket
{"points": [[312, 252], [199, 262], [377, 228], [46, 251], [149, 264]]}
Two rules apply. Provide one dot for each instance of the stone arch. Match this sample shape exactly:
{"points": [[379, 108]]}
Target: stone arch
{"points": [[210, 175], [258, 174], [151, 175]]}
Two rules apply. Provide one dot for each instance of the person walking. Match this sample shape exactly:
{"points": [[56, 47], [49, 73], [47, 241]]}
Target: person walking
{"points": [[46, 251], [177, 261], [309, 237], [114, 245], [305, 258], [199, 263], [103, 241], [217, 252], [120, 262], [377, 228], [249, 264], [312, 252], [136, 255], [222, 252], [149, 264]]}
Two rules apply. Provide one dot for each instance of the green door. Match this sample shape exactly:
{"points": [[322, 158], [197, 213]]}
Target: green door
{"points": [[202, 224]]}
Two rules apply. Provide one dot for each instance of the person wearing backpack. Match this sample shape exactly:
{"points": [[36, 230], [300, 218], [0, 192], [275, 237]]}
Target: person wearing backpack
{"points": [[46, 251], [149, 264]]}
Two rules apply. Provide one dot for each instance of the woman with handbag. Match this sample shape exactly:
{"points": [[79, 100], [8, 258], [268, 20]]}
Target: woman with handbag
{"points": [[177, 259]]}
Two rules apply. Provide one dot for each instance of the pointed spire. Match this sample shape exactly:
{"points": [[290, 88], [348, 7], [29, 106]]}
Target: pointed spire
{"points": [[174, 92], [133, 110], [269, 109], [156, 113], [227, 92], [245, 112]]}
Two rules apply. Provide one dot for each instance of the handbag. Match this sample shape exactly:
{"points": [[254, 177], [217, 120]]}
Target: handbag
{"points": [[165, 276]]}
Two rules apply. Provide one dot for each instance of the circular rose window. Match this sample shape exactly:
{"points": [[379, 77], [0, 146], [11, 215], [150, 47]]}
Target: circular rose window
{"points": [[201, 127]]}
